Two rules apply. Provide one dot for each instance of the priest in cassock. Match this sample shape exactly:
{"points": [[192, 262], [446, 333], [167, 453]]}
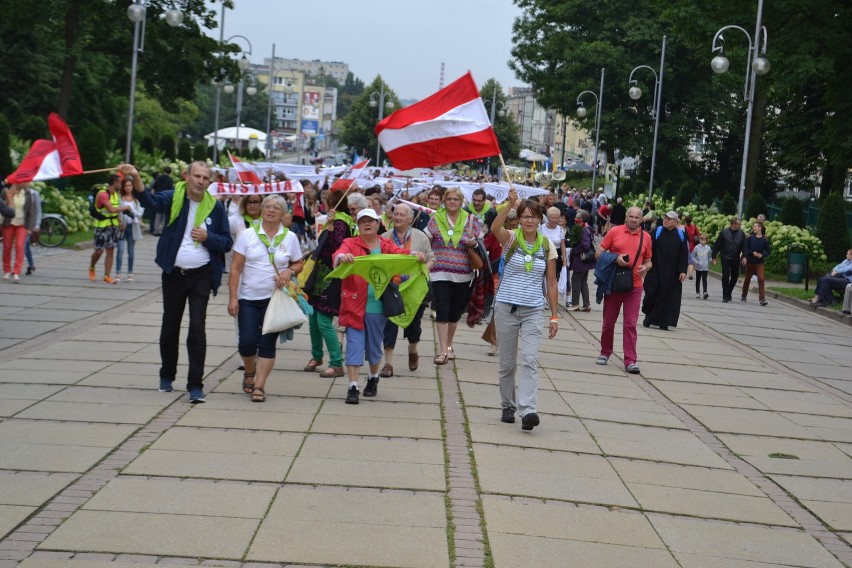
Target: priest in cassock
{"points": [[670, 252]]}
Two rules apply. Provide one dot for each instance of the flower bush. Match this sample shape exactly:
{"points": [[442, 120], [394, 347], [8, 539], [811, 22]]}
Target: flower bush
{"points": [[73, 208]]}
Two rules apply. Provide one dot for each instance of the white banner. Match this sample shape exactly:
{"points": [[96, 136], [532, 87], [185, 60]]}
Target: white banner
{"points": [[233, 189]]}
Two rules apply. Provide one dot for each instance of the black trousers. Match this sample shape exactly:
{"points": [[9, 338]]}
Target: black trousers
{"points": [[730, 273], [178, 288]]}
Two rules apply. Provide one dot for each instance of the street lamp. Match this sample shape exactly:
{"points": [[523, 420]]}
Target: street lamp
{"points": [[757, 65], [243, 64], [380, 99], [581, 112], [635, 92], [250, 90], [498, 107], [136, 12]]}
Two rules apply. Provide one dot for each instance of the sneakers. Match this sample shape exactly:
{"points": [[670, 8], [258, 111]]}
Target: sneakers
{"points": [[30, 270], [92, 275], [196, 395], [602, 360], [7, 275], [352, 395], [508, 415], [372, 387], [698, 295], [16, 279], [110, 280], [130, 278], [706, 295], [166, 385], [764, 303], [529, 421], [632, 368]]}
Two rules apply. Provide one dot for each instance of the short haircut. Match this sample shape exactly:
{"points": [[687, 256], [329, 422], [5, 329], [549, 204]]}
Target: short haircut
{"points": [[533, 207], [275, 199], [113, 178], [453, 191], [479, 191], [553, 210], [358, 200]]}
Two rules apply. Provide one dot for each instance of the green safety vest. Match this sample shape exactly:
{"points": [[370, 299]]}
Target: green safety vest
{"points": [[111, 218]]}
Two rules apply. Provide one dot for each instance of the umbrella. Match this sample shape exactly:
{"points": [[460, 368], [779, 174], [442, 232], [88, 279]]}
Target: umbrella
{"points": [[531, 156]]}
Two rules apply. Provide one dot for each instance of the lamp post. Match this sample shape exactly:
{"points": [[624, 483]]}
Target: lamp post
{"points": [[757, 65], [380, 99], [635, 92], [136, 12], [581, 112], [270, 83], [495, 106], [251, 90], [243, 64]]}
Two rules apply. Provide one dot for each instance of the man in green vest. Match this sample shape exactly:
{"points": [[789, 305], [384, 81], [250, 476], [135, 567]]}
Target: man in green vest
{"points": [[107, 229]]}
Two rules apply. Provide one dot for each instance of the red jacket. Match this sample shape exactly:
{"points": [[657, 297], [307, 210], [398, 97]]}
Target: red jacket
{"points": [[353, 295]]}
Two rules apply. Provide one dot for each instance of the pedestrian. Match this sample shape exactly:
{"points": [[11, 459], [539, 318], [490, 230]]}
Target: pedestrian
{"points": [[34, 235], [266, 257], [757, 250], [360, 312], [730, 244], [452, 232], [692, 236], [409, 238], [664, 282], [626, 246], [527, 286], [191, 252], [619, 213], [701, 260], [132, 221], [553, 230], [162, 182], [847, 301], [837, 279], [582, 244], [649, 217], [18, 197], [107, 229]]}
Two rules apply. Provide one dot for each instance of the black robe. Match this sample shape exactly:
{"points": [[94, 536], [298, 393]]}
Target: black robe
{"points": [[670, 257]]}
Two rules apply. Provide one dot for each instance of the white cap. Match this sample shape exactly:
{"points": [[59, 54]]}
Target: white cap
{"points": [[367, 213]]}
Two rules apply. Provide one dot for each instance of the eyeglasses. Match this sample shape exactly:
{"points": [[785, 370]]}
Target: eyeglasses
{"points": [[253, 202], [528, 218], [452, 199]]}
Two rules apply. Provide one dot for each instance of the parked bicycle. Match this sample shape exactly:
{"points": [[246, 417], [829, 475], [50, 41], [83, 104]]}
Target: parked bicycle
{"points": [[53, 230]]}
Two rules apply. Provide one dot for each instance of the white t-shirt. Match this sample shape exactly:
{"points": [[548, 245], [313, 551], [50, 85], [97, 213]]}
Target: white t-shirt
{"points": [[258, 278], [192, 254], [556, 234]]}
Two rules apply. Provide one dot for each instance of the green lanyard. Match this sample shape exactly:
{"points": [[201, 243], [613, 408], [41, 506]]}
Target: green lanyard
{"points": [[529, 251], [270, 247]]}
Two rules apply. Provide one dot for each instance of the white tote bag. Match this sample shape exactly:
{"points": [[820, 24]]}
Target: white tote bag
{"points": [[282, 313], [562, 287]]}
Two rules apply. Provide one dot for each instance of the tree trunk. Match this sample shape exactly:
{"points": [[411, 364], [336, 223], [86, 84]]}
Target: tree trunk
{"points": [[72, 17], [756, 141]]}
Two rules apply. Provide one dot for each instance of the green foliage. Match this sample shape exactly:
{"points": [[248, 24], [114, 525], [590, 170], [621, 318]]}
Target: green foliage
{"points": [[505, 127], [256, 154], [350, 90], [92, 146], [786, 238], [684, 194], [199, 151], [756, 206], [705, 194], [640, 187], [831, 227], [5, 148], [357, 127], [792, 212], [728, 205], [147, 145], [184, 152], [74, 208], [668, 189], [167, 147]]}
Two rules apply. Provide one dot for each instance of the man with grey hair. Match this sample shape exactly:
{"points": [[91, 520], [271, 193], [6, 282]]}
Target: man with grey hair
{"points": [[731, 244]]}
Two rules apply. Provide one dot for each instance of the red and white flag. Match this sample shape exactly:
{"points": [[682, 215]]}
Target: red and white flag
{"points": [[449, 126], [50, 159], [348, 177], [246, 173]]}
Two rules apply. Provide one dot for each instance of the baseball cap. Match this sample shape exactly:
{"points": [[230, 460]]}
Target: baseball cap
{"points": [[367, 213], [672, 215]]}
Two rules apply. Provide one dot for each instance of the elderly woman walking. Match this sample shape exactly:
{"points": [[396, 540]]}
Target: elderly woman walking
{"points": [[409, 238], [528, 285], [266, 257]]}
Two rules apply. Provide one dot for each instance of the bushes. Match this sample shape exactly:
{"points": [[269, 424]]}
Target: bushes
{"points": [[705, 194], [756, 206], [184, 150], [167, 147], [728, 206], [792, 212], [6, 167], [92, 145], [199, 151], [684, 195], [831, 227]]}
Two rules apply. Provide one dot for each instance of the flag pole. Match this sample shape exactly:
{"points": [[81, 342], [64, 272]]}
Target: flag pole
{"points": [[98, 171], [506, 173]]}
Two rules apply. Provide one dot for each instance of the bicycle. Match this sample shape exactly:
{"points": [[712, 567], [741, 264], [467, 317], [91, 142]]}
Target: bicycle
{"points": [[53, 230]]}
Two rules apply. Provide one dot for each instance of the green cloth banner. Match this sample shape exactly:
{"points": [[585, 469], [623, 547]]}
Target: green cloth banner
{"points": [[379, 269]]}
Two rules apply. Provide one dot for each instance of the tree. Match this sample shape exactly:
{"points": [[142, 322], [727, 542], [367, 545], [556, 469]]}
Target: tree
{"points": [[167, 147], [728, 205], [199, 151], [792, 212], [6, 167], [351, 88], [92, 146], [184, 152], [756, 206], [357, 127], [505, 128], [831, 227], [684, 194]]}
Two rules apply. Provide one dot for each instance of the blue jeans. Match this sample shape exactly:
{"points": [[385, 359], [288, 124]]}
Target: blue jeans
{"points": [[250, 322], [29, 253], [131, 243]]}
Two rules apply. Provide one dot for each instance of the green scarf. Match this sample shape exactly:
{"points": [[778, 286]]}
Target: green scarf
{"points": [[208, 202], [249, 220], [270, 247], [486, 207], [528, 252], [451, 239]]}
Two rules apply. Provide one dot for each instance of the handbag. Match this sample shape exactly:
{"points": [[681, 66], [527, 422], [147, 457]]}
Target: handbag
{"points": [[473, 255], [282, 313], [392, 304], [587, 255], [623, 279]]}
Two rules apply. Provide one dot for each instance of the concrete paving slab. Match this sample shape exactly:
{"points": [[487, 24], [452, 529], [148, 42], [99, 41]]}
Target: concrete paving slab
{"points": [[211, 417], [13, 515], [742, 421], [555, 433], [10, 407], [146, 533], [183, 497], [838, 516], [30, 488], [742, 542], [85, 412], [377, 426], [559, 520], [306, 525], [832, 490], [654, 444], [370, 462], [624, 389], [625, 411], [40, 562], [519, 550], [116, 396], [488, 396], [38, 432], [830, 428], [549, 475], [48, 457], [287, 386], [686, 477], [37, 363], [27, 392]]}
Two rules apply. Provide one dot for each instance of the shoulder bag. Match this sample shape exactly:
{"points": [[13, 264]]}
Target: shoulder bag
{"points": [[392, 304], [623, 279], [473, 255]]}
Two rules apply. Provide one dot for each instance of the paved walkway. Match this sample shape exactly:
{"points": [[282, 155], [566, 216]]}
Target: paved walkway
{"points": [[732, 449]]}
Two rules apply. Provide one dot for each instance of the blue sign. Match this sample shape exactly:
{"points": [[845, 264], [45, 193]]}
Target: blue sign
{"points": [[310, 126]]}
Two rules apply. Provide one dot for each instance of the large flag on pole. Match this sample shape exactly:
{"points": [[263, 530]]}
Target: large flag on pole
{"points": [[246, 173], [449, 126], [50, 159], [348, 177]]}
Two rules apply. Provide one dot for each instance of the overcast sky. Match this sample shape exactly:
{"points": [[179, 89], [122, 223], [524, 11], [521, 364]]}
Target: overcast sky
{"points": [[404, 41]]}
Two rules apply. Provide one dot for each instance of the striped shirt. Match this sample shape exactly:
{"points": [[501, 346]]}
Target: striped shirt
{"points": [[519, 287]]}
